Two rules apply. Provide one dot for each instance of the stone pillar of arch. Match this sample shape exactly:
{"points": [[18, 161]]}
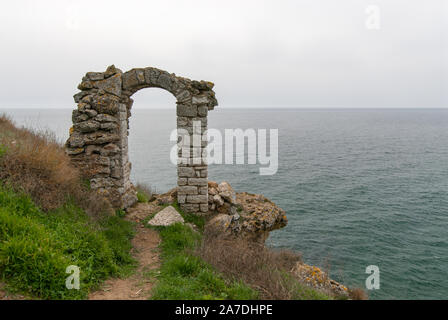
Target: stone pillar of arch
{"points": [[98, 142]]}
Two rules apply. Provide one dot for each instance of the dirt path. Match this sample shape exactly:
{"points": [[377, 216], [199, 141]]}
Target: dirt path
{"points": [[145, 250], [6, 295]]}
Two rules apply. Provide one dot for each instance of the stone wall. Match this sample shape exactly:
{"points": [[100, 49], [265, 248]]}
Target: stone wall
{"points": [[98, 142]]}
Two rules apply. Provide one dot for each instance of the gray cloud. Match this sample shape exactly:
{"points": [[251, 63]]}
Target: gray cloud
{"points": [[295, 53]]}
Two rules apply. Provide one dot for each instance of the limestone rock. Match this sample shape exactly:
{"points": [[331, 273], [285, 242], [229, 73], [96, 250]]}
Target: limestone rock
{"points": [[110, 85], [87, 126], [110, 71], [166, 217], [218, 200], [317, 278], [246, 215], [227, 192], [220, 225], [167, 198]]}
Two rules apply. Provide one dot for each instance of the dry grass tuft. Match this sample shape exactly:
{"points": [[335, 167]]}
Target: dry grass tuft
{"points": [[357, 294], [145, 193], [261, 268], [35, 163]]}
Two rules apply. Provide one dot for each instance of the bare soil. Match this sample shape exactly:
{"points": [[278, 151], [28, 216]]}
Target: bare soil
{"points": [[5, 295], [145, 250]]}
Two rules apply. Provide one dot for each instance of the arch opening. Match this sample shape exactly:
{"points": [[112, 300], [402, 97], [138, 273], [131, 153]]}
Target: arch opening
{"points": [[153, 118]]}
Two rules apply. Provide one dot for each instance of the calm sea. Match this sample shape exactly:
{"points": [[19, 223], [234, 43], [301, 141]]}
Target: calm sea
{"points": [[360, 187]]}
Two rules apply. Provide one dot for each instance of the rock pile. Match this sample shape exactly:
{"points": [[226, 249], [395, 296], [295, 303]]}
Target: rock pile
{"points": [[243, 214], [221, 198]]}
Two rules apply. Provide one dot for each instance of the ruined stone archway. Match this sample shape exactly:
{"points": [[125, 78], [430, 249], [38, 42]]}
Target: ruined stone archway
{"points": [[98, 142]]}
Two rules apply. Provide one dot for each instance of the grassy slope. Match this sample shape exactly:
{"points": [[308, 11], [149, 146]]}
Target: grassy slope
{"points": [[43, 229], [36, 247]]}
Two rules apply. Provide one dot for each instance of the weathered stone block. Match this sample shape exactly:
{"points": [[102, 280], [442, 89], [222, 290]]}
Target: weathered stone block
{"points": [[151, 76], [77, 97], [192, 190], [105, 104], [94, 76], [181, 198], [90, 112], [187, 172], [108, 126], [77, 116], [85, 85], [110, 149], [74, 151], [100, 137], [87, 126], [183, 96], [110, 71], [197, 181], [130, 80], [200, 198], [165, 81], [140, 74], [199, 100], [202, 111], [110, 85], [75, 140], [189, 207], [184, 110], [105, 118]]}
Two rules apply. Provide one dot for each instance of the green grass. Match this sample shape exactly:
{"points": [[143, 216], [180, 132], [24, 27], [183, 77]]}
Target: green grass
{"points": [[142, 197], [36, 247], [185, 276], [2, 150]]}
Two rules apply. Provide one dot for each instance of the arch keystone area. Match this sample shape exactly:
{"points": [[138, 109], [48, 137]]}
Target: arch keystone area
{"points": [[98, 142]]}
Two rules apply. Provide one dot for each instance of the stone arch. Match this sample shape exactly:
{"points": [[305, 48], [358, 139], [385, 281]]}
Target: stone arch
{"points": [[98, 142]]}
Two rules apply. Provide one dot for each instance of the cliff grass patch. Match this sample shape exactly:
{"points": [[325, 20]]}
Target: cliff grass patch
{"points": [[144, 193], [184, 275], [36, 247]]}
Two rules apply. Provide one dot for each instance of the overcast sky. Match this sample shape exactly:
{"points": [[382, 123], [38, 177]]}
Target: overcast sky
{"points": [[298, 53]]}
